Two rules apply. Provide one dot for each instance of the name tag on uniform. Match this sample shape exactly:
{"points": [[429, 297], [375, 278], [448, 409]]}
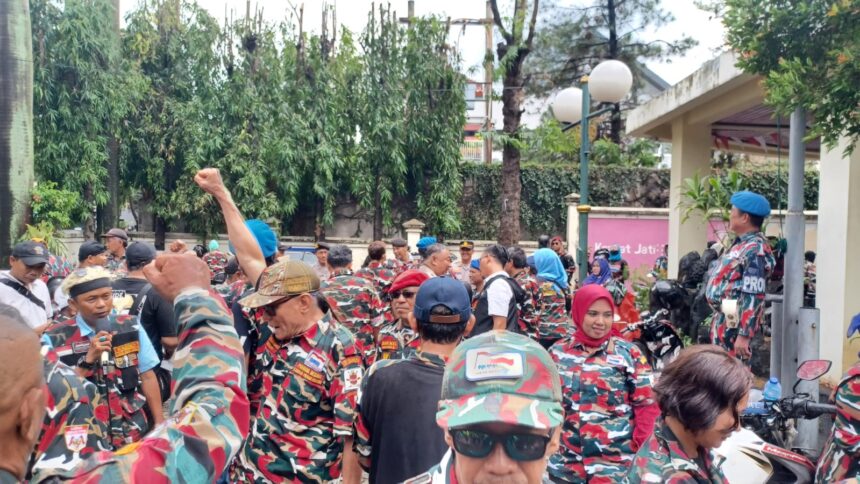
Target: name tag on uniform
{"points": [[616, 360], [388, 344], [126, 349], [80, 347]]}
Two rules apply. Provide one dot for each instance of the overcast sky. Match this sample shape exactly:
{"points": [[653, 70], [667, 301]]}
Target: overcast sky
{"points": [[353, 15]]}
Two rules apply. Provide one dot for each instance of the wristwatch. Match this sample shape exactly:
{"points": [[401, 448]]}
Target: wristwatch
{"points": [[82, 363]]}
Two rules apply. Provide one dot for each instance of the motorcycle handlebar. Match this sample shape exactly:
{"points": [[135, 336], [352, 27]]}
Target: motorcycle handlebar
{"points": [[813, 409]]}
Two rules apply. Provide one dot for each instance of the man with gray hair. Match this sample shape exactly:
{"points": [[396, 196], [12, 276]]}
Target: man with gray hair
{"points": [[353, 301], [437, 260]]}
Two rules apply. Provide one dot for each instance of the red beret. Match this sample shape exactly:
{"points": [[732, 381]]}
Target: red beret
{"points": [[408, 278]]}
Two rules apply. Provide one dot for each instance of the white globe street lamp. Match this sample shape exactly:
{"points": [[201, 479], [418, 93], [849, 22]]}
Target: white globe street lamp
{"points": [[609, 82]]}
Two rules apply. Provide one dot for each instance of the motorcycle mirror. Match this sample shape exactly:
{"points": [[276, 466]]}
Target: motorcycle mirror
{"points": [[813, 369]]}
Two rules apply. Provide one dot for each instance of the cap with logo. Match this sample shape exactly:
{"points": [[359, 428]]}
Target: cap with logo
{"points": [[443, 291], [499, 376], [116, 232], [139, 253], [31, 253], [321, 246], [90, 248], [286, 278], [467, 244]]}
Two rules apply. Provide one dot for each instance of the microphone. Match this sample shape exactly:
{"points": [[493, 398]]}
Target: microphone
{"points": [[103, 324]]}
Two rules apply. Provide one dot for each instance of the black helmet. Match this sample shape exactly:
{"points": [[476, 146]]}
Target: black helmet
{"points": [[667, 294]]}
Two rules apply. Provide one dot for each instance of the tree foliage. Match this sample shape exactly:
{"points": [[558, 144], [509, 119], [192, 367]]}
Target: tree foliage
{"points": [[809, 54], [295, 121]]}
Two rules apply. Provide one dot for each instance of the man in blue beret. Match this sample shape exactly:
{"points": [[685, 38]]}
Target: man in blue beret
{"points": [[736, 286]]}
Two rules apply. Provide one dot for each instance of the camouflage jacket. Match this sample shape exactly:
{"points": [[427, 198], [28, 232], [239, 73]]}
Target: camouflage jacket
{"points": [[209, 414], [232, 292], [117, 266], [118, 382], [553, 320], [71, 430], [354, 303], [58, 266], [529, 315], [841, 457], [396, 341], [217, 262], [302, 394], [600, 390], [443, 473], [381, 275], [662, 460], [363, 439], [741, 274]]}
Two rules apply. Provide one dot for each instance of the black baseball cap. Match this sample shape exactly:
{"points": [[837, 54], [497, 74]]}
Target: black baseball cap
{"points": [[31, 253], [139, 253], [90, 247]]}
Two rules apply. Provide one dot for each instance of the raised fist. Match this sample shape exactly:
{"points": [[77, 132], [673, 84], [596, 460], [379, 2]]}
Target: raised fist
{"points": [[170, 274], [209, 179]]}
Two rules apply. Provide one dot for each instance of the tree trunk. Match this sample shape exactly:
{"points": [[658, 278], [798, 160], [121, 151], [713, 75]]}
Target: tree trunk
{"points": [[16, 121], [160, 232], [512, 101], [377, 213]]}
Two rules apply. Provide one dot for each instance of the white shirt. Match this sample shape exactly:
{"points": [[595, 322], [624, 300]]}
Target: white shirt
{"points": [[499, 295], [33, 315]]}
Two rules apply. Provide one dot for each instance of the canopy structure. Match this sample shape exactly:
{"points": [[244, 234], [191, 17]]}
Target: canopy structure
{"points": [[721, 107]]}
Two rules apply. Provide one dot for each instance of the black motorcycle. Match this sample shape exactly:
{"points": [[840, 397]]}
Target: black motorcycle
{"points": [[657, 339]]}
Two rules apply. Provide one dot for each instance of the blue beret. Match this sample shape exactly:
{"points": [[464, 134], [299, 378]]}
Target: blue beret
{"points": [[425, 242], [855, 325], [751, 203], [266, 238], [475, 264]]}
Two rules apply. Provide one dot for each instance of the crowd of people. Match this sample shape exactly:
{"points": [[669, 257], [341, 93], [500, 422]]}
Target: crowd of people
{"points": [[199, 366]]}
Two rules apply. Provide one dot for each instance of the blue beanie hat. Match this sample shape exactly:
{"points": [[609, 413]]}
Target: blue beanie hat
{"points": [[425, 242], [751, 203], [266, 238]]}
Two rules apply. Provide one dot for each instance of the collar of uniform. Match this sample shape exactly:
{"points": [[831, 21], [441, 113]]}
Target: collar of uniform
{"points": [[746, 237], [502, 272], [430, 359], [608, 346], [6, 477], [340, 272], [314, 334], [85, 328], [374, 264], [679, 459]]}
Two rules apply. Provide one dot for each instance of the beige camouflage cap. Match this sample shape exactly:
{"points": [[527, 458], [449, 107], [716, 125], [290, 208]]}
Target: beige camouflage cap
{"points": [[287, 278]]}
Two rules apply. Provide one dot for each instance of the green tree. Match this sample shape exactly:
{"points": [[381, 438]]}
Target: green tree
{"points": [[83, 90], [576, 38], [380, 170], [808, 52], [435, 115], [16, 120], [518, 39]]}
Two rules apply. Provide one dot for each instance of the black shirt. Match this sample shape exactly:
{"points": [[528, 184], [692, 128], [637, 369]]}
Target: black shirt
{"points": [[156, 315], [398, 406], [483, 320]]}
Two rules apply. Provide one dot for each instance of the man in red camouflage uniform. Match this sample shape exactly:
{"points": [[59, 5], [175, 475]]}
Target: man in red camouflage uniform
{"points": [[397, 340], [841, 457], [354, 302], [517, 267], [209, 418], [302, 384], [736, 285], [381, 271]]}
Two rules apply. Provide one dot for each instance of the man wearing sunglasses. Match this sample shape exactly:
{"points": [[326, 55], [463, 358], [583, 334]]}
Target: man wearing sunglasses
{"points": [[302, 384], [501, 411], [397, 341], [396, 435]]}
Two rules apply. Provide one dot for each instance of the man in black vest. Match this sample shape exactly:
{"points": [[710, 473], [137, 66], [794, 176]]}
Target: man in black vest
{"points": [[496, 306]]}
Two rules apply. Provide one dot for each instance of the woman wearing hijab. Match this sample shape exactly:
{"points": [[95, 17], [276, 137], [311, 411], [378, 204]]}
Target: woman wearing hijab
{"points": [[553, 321], [609, 401], [600, 273]]}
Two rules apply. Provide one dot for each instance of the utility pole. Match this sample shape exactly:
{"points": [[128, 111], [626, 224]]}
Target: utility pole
{"points": [[487, 23]]}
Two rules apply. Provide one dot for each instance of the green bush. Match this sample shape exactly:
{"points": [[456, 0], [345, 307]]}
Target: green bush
{"points": [[544, 187], [61, 209]]}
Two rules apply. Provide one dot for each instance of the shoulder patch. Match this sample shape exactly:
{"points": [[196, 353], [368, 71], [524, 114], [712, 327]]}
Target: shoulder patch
{"points": [[351, 360]]}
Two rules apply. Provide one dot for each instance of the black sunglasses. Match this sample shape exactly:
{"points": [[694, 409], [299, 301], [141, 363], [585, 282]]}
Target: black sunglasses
{"points": [[478, 444], [271, 309], [405, 294]]}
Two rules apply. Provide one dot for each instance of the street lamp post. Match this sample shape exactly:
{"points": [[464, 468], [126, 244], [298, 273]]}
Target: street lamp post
{"points": [[609, 82]]}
